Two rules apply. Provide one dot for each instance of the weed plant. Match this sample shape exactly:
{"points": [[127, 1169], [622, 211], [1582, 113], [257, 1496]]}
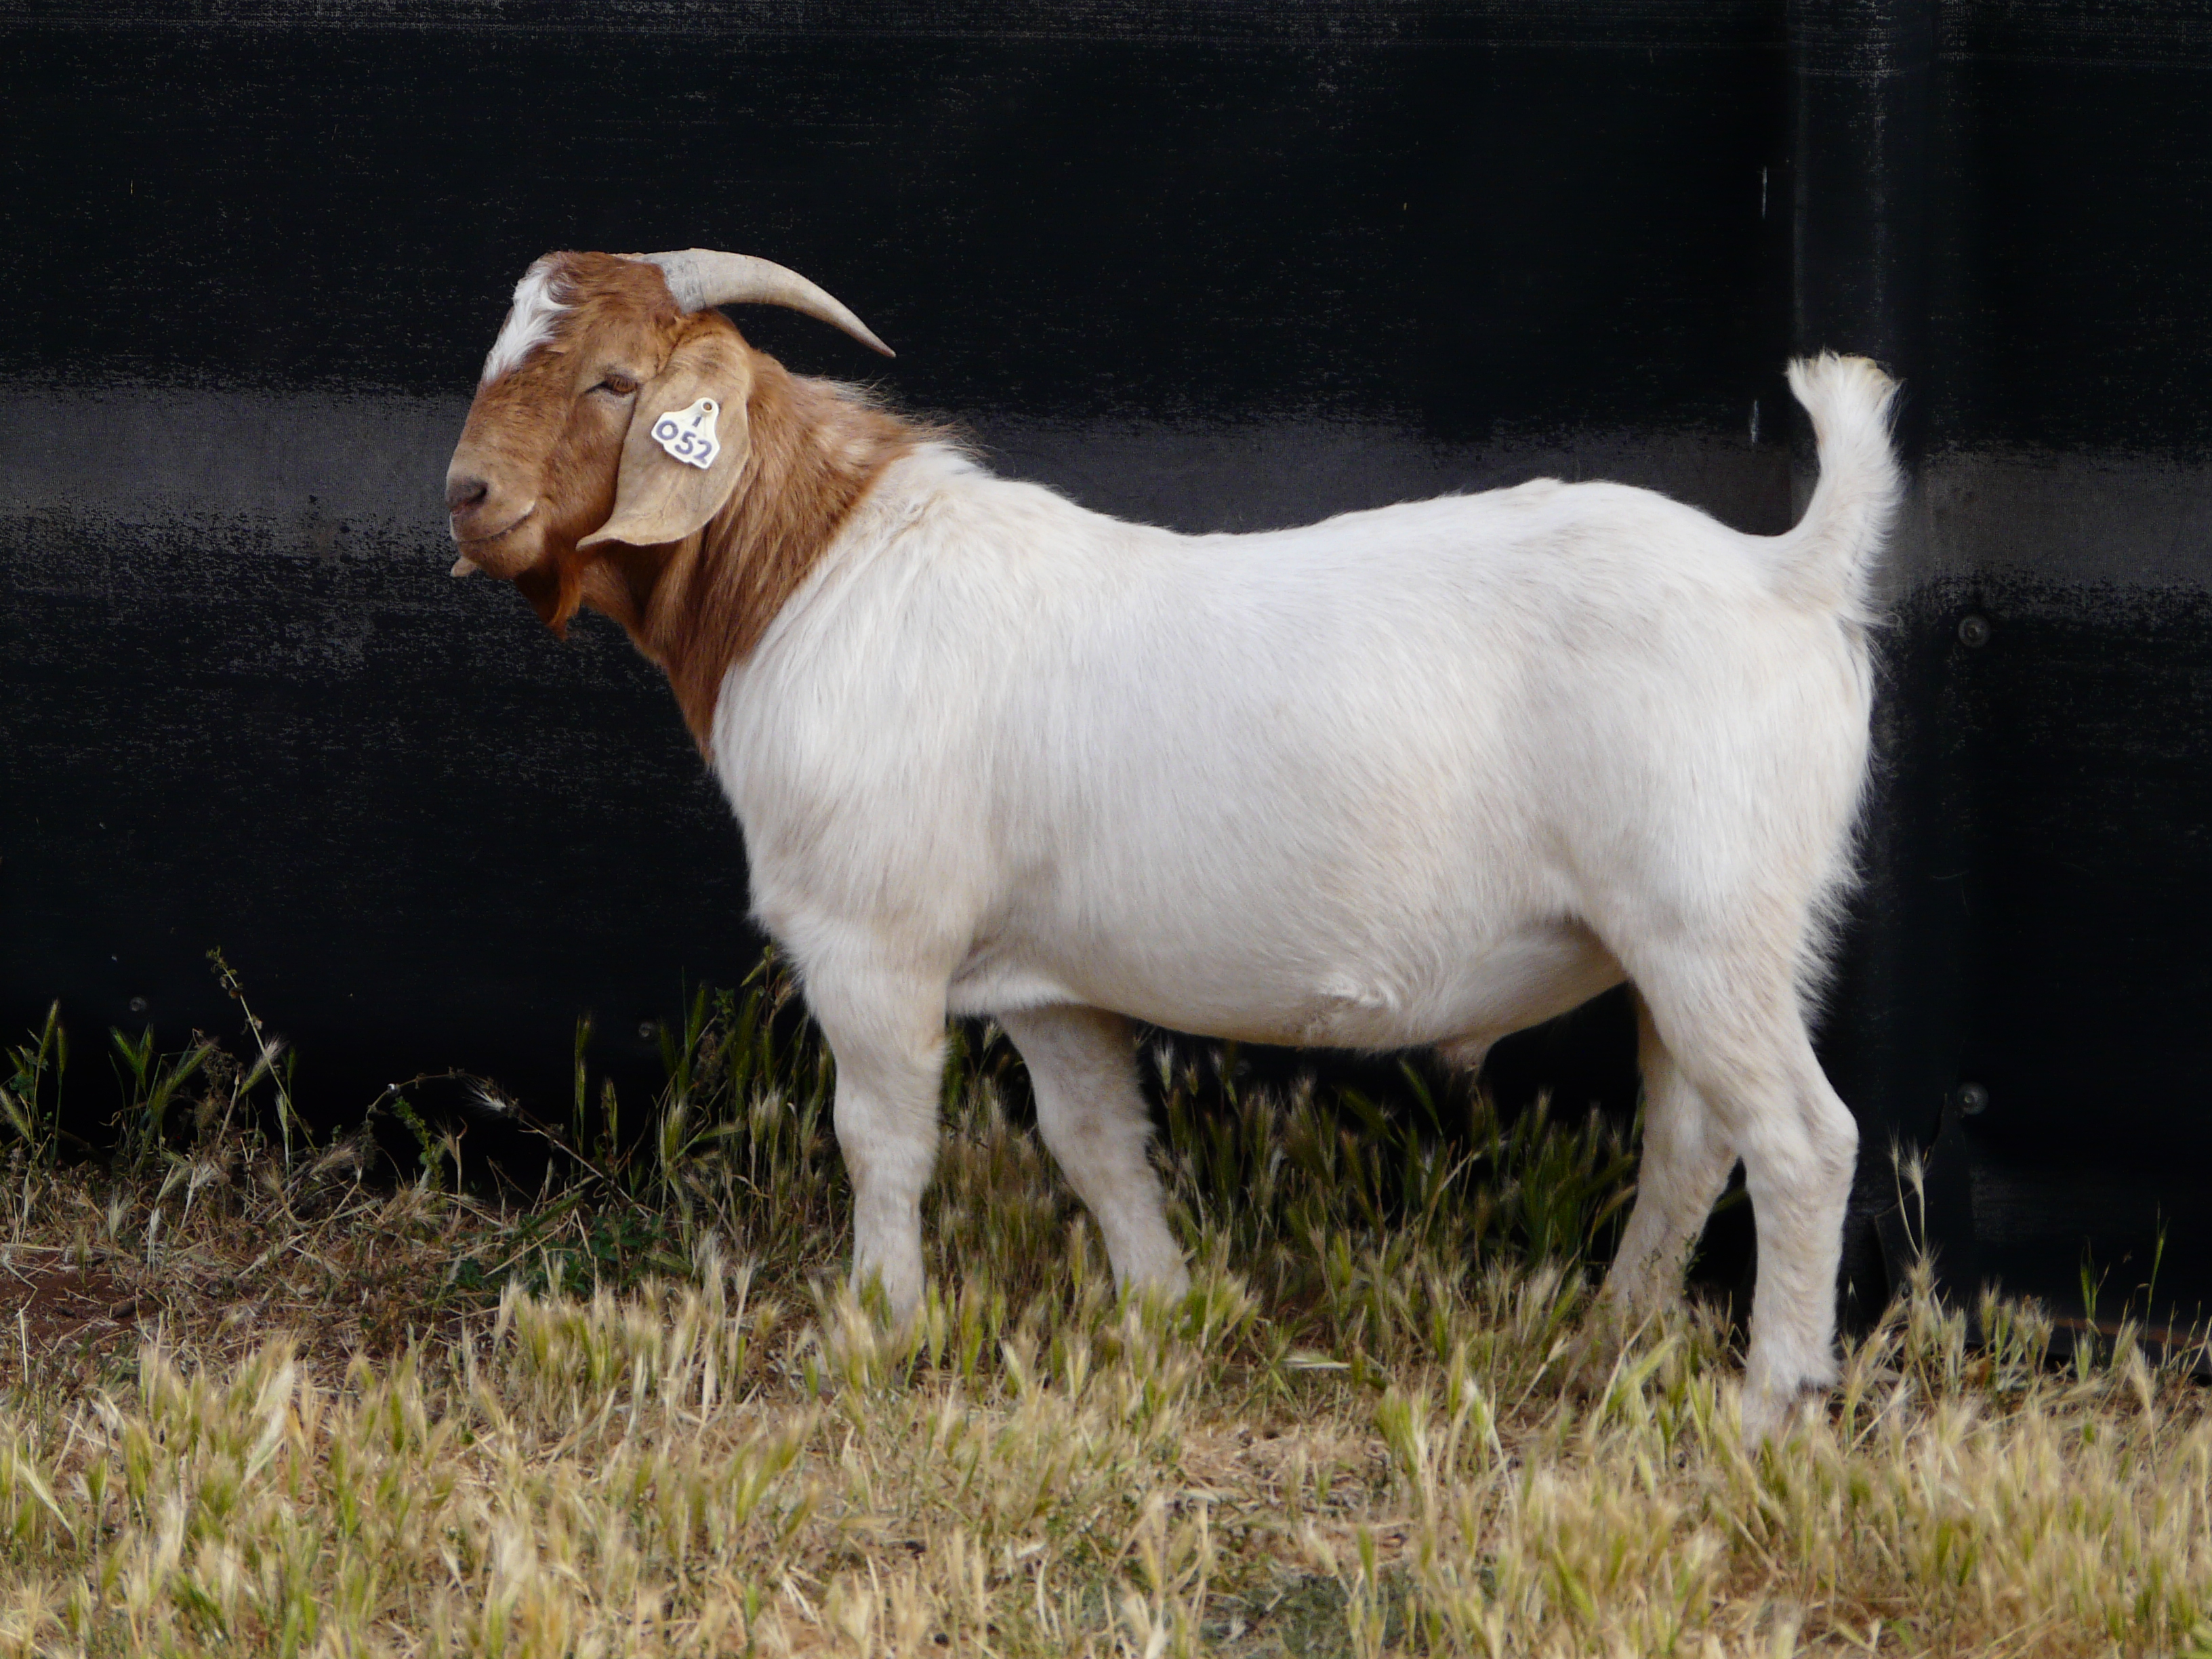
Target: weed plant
{"points": [[636, 1413]]}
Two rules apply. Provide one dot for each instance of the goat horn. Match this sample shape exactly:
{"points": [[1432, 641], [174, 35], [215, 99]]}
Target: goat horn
{"points": [[703, 276]]}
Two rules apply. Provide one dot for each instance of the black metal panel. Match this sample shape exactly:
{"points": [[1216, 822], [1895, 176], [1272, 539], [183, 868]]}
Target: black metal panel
{"points": [[1211, 264], [1215, 267], [2065, 503]]}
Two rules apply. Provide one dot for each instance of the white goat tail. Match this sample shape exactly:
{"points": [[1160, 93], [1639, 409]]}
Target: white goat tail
{"points": [[1826, 562]]}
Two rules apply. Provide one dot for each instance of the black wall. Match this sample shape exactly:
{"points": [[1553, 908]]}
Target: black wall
{"points": [[1216, 265]]}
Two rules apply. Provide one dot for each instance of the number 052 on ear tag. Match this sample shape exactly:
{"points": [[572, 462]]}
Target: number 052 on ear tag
{"points": [[689, 433]]}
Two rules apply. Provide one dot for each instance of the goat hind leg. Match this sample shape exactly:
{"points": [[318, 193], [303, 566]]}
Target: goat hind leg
{"points": [[1735, 1030], [1082, 1067], [1685, 1162], [1800, 1183]]}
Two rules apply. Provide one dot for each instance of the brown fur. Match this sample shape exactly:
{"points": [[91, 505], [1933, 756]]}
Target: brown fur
{"points": [[542, 438], [699, 607]]}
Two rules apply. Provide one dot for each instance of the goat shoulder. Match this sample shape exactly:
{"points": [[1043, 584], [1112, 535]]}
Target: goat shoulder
{"points": [[817, 450]]}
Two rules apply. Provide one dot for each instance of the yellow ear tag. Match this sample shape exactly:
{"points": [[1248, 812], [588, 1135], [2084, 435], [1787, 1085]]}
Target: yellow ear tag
{"points": [[689, 433]]}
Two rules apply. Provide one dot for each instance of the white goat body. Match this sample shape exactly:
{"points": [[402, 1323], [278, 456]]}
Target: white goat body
{"points": [[1424, 775]]}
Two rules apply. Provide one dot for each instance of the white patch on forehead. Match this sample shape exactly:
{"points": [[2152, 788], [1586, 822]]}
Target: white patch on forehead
{"points": [[529, 323]]}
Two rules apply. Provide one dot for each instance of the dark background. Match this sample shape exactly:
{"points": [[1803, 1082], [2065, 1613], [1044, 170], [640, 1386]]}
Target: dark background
{"points": [[1214, 265]]}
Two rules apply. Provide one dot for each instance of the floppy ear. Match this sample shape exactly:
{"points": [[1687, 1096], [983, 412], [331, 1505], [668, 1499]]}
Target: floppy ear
{"points": [[658, 496]]}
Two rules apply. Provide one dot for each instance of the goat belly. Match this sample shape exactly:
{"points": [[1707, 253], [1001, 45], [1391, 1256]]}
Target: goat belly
{"points": [[1245, 986]]}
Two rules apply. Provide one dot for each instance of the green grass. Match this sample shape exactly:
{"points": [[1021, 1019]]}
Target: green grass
{"points": [[263, 1398]]}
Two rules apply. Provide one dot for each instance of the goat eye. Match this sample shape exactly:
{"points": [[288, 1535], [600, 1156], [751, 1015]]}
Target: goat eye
{"points": [[620, 385]]}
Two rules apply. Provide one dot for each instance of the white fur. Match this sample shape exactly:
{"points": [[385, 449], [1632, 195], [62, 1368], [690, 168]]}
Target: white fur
{"points": [[1427, 775], [530, 321]]}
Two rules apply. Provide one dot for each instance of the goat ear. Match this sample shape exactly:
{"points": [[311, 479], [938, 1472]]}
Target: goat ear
{"points": [[658, 497]]}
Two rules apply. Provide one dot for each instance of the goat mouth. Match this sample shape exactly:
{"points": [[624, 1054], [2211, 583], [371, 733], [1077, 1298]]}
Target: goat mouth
{"points": [[512, 525]]}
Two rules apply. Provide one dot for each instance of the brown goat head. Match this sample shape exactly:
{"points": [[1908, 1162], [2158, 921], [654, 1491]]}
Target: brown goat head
{"points": [[558, 484], [571, 483]]}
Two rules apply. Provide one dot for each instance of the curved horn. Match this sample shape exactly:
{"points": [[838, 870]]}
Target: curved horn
{"points": [[703, 276]]}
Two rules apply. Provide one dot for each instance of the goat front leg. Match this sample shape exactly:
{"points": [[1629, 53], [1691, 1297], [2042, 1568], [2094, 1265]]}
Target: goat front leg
{"points": [[1082, 1067], [887, 1032]]}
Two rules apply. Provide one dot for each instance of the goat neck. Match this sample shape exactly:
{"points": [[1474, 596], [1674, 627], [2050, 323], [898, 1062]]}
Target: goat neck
{"points": [[699, 606]]}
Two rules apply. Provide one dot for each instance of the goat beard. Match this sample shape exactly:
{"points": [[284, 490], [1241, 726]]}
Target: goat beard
{"points": [[553, 587]]}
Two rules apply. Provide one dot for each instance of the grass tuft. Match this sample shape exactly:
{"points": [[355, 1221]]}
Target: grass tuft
{"points": [[260, 1397]]}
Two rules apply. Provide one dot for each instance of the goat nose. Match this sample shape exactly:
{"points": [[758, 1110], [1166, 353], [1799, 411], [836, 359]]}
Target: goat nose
{"points": [[462, 494]]}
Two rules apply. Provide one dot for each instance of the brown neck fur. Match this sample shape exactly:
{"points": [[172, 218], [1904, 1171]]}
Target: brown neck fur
{"points": [[701, 606]]}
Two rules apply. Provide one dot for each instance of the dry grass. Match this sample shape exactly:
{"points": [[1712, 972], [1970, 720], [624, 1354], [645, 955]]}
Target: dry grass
{"points": [[254, 1405]]}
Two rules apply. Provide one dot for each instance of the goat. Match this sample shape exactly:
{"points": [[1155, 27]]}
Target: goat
{"points": [[1427, 775]]}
